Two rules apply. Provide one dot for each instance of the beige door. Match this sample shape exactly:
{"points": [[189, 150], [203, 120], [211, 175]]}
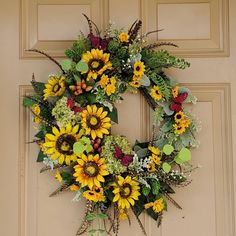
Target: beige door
{"points": [[201, 29]]}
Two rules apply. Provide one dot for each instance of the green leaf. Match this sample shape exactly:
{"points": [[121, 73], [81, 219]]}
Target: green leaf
{"points": [[183, 156], [142, 153], [168, 149], [66, 64], [145, 81], [114, 115], [67, 176], [102, 216], [40, 134], [38, 87], [28, 102], [155, 186], [82, 66], [139, 205], [166, 167], [77, 78], [167, 126], [91, 216], [145, 190], [41, 156], [152, 213], [79, 148]]}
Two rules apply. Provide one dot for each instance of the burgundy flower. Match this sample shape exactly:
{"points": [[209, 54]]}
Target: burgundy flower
{"points": [[124, 159], [176, 104], [98, 42]]}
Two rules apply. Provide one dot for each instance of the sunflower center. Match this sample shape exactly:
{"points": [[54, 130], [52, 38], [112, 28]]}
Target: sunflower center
{"points": [[126, 190], [96, 65], [93, 122], [65, 144], [91, 169], [157, 92], [178, 117], [137, 68], [179, 128], [56, 88]]}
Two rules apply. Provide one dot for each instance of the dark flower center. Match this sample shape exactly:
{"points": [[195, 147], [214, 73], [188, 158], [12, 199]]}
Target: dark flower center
{"points": [[91, 169], [178, 116], [93, 122], [91, 193], [64, 144], [96, 65], [157, 92], [56, 88], [138, 68], [126, 190]]}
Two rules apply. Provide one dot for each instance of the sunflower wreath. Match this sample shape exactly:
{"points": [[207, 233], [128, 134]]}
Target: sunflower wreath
{"points": [[74, 112]]}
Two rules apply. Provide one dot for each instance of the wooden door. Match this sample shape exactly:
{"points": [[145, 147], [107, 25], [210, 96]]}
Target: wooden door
{"points": [[204, 30]]}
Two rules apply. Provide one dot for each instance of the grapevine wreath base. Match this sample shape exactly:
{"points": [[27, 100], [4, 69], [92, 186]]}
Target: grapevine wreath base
{"points": [[74, 112]]}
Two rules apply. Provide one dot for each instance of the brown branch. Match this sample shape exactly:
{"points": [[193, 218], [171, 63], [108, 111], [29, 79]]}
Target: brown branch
{"points": [[160, 44], [172, 201], [48, 56], [59, 190], [148, 98]]}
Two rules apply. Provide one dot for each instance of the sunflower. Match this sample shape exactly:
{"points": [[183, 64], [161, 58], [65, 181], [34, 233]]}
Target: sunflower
{"points": [[74, 187], [59, 144], [151, 167], [158, 205], [186, 123], [124, 37], [58, 176], [135, 81], [179, 116], [108, 84], [126, 191], [55, 87], [156, 93], [95, 195], [90, 171], [95, 121], [155, 159], [179, 128], [97, 61], [154, 150], [36, 110], [123, 214], [139, 68], [175, 91]]}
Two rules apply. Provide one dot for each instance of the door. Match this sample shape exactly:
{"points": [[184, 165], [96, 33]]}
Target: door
{"points": [[206, 34]]}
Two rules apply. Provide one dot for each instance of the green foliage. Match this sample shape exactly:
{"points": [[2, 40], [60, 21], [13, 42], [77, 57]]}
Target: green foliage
{"points": [[67, 176], [145, 190], [114, 115], [139, 205], [165, 188], [151, 213], [38, 87], [155, 186], [162, 59], [41, 156], [162, 84], [28, 101], [79, 47]]}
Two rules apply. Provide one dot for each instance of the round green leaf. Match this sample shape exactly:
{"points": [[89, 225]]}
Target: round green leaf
{"points": [[183, 156], [166, 167], [168, 149], [79, 148], [66, 64], [82, 66], [145, 81]]}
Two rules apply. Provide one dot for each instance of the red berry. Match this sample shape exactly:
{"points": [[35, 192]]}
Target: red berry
{"points": [[92, 142], [99, 149], [98, 141], [95, 146]]}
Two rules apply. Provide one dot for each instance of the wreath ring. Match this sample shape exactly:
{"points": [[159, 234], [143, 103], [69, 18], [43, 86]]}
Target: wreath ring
{"points": [[74, 111]]}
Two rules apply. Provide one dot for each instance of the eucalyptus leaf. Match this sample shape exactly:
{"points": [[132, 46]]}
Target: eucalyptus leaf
{"points": [[79, 148], [168, 149], [167, 126], [82, 66], [183, 156], [66, 64], [145, 81], [166, 167]]}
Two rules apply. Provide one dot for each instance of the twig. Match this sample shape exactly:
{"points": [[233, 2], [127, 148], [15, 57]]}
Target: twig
{"points": [[172, 201], [156, 45], [59, 190], [148, 98], [140, 223], [85, 224], [48, 56]]}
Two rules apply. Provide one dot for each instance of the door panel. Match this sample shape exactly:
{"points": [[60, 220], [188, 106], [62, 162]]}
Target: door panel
{"points": [[208, 202]]}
